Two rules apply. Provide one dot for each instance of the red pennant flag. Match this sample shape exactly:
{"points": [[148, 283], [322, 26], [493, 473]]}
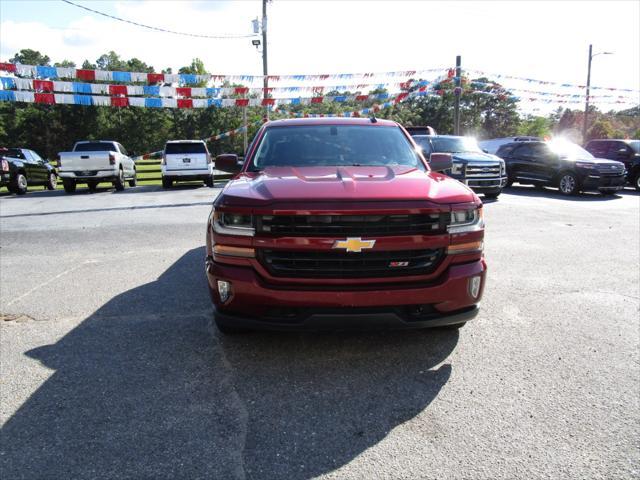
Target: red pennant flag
{"points": [[362, 98], [117, 90], [119, 102], [242, 102], [185, 103], [317, 99], [183, 91], [43, 85], [155, 77], [8, 67], [268, 101], [241, 90], [47, 98], [89, 75]]}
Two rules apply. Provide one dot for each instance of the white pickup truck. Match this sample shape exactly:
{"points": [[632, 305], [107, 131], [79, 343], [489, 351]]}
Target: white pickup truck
{"points": [[96, 161]]}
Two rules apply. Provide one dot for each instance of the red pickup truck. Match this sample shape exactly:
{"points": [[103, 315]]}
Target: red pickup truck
{"points": [[340, 223]]}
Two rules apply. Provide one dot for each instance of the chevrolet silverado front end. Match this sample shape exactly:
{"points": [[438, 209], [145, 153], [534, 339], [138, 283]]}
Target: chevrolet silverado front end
{"points": [[338, 223]]}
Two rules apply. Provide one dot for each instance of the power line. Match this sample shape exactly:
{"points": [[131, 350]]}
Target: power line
{"points": [[157, 29]]}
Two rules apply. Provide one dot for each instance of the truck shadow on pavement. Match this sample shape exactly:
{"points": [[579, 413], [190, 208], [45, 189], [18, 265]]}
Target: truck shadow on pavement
{"points": [[145, 387]]}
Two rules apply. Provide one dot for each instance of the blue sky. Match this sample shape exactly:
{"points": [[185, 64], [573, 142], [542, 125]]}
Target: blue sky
{"points": [[545, 40]]}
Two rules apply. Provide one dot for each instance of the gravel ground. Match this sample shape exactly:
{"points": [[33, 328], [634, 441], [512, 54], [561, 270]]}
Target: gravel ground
{"points": [[111, 366]]}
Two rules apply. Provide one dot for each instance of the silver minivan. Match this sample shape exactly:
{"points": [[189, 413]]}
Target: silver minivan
{"points": [[186, 160]]}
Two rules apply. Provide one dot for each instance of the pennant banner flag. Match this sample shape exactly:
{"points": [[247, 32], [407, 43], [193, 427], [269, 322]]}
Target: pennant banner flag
{"points": [[542, 82], [50, 86], [54, 73]]}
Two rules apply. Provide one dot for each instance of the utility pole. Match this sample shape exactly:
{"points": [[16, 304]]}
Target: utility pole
{"points": [[265, 70], [585, 122], [457, 91], [586, 102]]}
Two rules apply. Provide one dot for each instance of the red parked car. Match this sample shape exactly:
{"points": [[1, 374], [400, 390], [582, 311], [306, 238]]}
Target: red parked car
{"points": [[341, 222]]}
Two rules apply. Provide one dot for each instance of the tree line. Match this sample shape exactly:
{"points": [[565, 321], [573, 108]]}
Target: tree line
{"points": [[49, 129]]}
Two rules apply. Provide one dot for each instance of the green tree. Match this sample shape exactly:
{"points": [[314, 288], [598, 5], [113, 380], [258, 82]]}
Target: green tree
{"points": [[535, 126], [601, 128], [27, 56], [65, 63], [196, 68]]}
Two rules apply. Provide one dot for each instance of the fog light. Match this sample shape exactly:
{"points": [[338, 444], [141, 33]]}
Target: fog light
{"points": [[474, 286], [224, 290]]}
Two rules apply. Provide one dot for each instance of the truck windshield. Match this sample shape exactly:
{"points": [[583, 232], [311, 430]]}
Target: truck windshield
{"points": [[186, 147], [455, 145], [95, 147], [334, 145]]}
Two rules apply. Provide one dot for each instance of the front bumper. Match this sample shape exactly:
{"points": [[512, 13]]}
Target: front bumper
{"points": [[485, 185], [254, 304], [5, 179], [596, 182]]}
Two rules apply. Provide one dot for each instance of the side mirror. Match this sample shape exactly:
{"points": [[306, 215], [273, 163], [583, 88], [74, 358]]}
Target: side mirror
{"points": [[228, 162], [440, 161]]}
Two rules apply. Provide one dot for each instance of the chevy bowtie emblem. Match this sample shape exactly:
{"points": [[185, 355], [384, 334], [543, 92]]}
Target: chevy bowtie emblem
{"points": [[353, 244]]}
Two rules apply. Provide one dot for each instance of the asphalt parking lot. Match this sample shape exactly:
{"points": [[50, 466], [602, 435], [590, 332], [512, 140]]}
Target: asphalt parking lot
{"points": [[111, 366]]}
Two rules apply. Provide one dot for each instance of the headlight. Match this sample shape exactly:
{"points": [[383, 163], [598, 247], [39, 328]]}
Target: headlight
{"points": [[463, 221], [457, 168], [229, 223], [503, 168]]}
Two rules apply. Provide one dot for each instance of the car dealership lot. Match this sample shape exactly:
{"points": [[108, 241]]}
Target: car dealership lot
{"points": [[111, 367]]}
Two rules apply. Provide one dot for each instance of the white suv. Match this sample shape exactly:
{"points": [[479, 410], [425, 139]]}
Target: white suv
{"points": [[186, 160]]}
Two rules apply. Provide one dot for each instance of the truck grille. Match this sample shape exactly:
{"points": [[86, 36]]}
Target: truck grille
{"points": [[345, 225], [332, 264], [482, 170], [609, 171]]}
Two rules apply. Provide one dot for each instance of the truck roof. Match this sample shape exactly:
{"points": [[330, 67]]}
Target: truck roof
{"points": [[185, 141], [330, 121]]}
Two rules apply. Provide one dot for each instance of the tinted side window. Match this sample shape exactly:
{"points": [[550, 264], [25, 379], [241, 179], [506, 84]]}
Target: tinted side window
{"points": [[122, 150], [35, 156], [523, 151], [598, 148], [540, 151], [28, 156], [505, 150]]}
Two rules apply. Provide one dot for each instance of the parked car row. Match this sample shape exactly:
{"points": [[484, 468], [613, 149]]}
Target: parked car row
{"points": [[486, 167]]}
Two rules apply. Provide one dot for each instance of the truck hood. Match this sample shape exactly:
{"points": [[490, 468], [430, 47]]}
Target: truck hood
{"points": [[329, 184], [474, 157]]}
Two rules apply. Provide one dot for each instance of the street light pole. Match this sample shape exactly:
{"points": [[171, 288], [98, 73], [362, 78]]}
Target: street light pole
{"points": [[585, 122]]}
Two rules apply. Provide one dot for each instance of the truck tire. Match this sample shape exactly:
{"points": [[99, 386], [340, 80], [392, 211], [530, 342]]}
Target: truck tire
{"points": [[636, 181], [209, 181], [19, 184], [52, 182], [119, 182], [134, 181], [166, 182], [69, 185], [568, 183]]}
